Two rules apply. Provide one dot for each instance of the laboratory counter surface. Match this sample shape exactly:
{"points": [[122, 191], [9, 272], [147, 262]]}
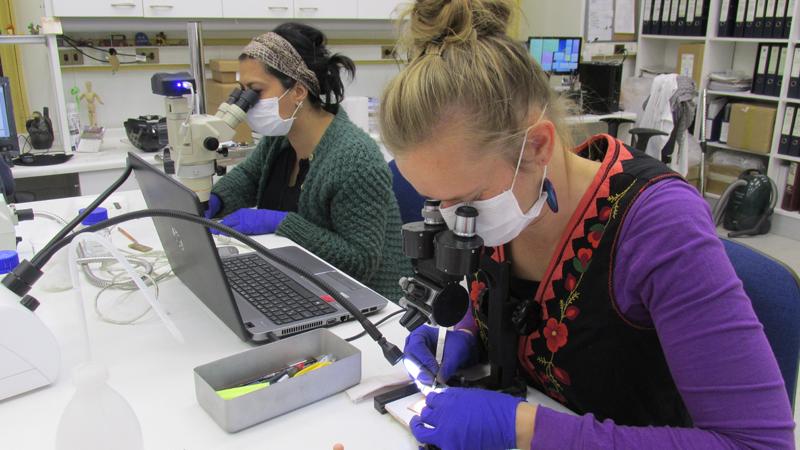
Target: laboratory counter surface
{"points": [[154, 372]]}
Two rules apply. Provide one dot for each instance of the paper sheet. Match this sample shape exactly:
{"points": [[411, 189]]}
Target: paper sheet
{"points": [[624, 21], [600, 22]]}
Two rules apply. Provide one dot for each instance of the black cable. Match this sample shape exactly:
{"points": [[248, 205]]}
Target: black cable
{"points": [[390, 351], [37, 259], [78, 43], [377, 324], [98, 59]]}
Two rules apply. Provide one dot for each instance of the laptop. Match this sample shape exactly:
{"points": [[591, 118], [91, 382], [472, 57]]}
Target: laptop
{"points": [[257, 298]]}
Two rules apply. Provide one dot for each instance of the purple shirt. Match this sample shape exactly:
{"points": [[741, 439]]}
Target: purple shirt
{"points": [[671, 271]]}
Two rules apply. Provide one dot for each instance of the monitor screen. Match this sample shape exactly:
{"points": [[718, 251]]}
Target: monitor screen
{"points": [[5, 129], [556, 55]]}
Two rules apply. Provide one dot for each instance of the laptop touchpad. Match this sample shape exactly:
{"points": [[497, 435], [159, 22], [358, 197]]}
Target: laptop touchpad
{"points": [[339, 282]]}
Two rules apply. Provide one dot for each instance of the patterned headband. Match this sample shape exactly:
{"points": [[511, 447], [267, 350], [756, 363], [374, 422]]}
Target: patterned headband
{"points": [[275, 51]]}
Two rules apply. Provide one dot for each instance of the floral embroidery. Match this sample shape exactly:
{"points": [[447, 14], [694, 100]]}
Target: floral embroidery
{"points": [[556, 334], [570, 282], [561, 375], [572, 312], [582, 260]]}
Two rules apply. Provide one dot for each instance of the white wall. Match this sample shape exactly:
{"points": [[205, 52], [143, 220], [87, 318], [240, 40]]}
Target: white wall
{"points": [[552, 17]]}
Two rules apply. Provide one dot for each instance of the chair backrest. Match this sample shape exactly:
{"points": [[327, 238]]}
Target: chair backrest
{"points": [[774, 290], [408, 199]]}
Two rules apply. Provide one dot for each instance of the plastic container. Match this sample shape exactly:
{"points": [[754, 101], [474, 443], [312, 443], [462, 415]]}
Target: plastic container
{"points": [[94, 249], [8, 261], [97, 417], [272, 401], [74, 122]]}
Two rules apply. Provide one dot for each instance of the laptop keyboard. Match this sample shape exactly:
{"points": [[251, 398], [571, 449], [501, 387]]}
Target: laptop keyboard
{"points": [[272, 292]]}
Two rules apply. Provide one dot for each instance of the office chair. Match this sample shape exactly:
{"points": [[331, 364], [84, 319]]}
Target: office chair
{"points": [[614, 124], [774, 290], [408, 199]]}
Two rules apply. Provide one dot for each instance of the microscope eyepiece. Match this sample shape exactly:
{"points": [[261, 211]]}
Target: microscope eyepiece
{"points": [[248, 99], [466, 217], [431, 214], [233, 97]]}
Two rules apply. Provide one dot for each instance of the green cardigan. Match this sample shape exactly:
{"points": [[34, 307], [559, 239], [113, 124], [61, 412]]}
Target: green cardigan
{"points": [[347, 213]]}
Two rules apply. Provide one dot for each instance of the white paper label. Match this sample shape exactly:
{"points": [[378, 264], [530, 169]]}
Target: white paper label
{"points": [[740, 10], [773, 62], [723, 11], [698, 9], [790, 9], [648, 10], [673, 15], [782, 61], [690, 11], [666, 10], [770, 9], [751, 11], [780, 11], [760, 9], [762, 60], [788, 117], [687, 64], [796, 63], [723, 132], [796, 131]]}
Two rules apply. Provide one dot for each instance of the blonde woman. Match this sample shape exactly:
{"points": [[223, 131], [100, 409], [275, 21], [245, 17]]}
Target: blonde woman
{"points": [[639, 323]]}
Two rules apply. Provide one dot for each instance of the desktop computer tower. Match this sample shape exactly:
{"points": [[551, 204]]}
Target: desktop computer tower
{"points": [[600, 87]]}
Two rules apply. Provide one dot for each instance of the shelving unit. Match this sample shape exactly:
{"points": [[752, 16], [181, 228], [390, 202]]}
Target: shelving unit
{"points": [[731, 53], [719, 145]]}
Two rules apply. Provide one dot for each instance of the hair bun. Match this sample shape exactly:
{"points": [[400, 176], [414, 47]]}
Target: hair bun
{"points": [[454, 21]]}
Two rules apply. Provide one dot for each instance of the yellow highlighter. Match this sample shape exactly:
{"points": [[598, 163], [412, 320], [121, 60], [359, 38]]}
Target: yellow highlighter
{"points": [[313, 367], [231, 393]]}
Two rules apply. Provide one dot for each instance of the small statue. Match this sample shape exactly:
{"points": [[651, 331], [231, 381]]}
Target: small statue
{"points": [[113, 59], [161, 38], [10, 29], [91, 98], [34, 29]]}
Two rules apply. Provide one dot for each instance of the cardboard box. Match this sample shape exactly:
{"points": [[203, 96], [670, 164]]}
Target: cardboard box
{"points": [[720, 176], [690, 61], [223, 77], [751, 127], [224, 65], [216, 94]]}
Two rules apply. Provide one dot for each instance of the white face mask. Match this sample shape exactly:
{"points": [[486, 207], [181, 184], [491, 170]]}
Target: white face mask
{"points": [[264, 118], [500, 218]]}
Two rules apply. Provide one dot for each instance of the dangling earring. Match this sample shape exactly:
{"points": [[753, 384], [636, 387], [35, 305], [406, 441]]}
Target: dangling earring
{"points": [[552, 200]]}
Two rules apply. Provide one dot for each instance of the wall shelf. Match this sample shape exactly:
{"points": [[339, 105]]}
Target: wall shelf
{"points": [[745, 95], [673, 38], [788, 158], [721, 146]]}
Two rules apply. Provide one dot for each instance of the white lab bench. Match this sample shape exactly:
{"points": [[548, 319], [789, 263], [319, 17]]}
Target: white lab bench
{"points": [[96, 171], [154, 372]]}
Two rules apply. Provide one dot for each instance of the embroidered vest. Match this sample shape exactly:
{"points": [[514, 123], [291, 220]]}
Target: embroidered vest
{"points": [[583, 352]]}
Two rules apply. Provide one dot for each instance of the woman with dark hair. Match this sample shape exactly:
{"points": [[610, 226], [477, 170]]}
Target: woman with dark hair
{"points": [[315, 177]]}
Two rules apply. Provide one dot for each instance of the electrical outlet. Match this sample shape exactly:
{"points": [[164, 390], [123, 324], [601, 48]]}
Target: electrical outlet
{"points": [[150, 54], [70, 57], [388, 52]]}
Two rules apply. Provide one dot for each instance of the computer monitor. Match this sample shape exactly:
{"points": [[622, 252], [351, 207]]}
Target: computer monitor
{"points": [[556, 55], [9, 145]]}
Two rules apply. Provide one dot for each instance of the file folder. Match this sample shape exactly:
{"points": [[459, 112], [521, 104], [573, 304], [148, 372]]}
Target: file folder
{"points": [[758, 23], [741, 17], [701, 17], [727, 18], [771, 78], [673, 17], [750, 19], [782, 55], [787, 22], [760, 75], [647, 17], [780, 18], [794, 75], [786, 130], [794, 145], [769, 19], [680, 23]]}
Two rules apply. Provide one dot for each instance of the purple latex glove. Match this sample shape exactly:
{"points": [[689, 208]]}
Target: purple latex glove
{"points": [[460, 351], [466, 419], [253, 221], [214, 206]]}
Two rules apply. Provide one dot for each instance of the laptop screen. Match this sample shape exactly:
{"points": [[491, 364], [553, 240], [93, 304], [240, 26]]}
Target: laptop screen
{"points": [[189, 246]]}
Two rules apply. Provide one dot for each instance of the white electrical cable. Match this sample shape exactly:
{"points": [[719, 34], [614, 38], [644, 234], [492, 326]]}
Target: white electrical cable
{"points": [[105, 318], [73, 257]]}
